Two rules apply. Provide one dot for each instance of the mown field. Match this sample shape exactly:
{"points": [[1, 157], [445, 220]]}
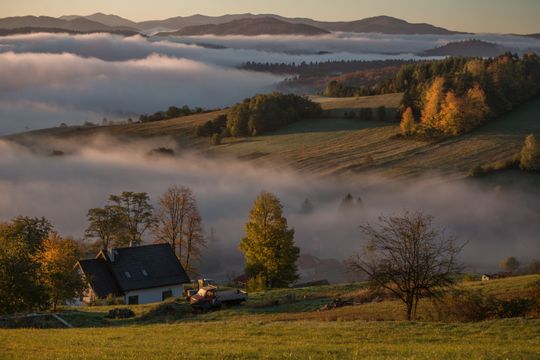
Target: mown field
{"points": [[283, 324], [338, 146]]}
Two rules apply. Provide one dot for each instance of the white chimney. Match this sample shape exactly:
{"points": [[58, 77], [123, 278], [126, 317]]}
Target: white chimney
{"points": [[110, 253]]}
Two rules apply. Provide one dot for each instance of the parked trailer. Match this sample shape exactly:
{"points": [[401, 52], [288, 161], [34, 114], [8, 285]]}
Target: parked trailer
{"points": [[208, 298]]}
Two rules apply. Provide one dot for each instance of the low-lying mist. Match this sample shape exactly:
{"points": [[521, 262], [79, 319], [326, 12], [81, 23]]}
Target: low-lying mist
{"points": [[43, 90], [496, 223]]}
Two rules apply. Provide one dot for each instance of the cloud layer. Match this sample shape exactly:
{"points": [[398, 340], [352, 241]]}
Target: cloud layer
{"points": [[40, 90], [47, 79]]}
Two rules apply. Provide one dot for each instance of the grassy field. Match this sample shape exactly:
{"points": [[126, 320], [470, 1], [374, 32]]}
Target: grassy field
{"points": [[501, 339], [337, 146], [282, 324]]}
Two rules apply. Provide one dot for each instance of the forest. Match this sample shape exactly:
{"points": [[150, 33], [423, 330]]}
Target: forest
{"points": [[456, 95]]}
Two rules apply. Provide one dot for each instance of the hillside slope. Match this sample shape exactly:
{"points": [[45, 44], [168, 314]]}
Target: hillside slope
{"points": [[338, 146]]}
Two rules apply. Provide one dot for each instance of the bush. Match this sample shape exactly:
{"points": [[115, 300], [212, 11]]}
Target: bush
{"points": [[216, 139]]}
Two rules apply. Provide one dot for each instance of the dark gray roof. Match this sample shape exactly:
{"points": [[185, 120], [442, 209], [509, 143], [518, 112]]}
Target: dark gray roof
{"points": [[148, 266], [100, 277], [158, 261]]}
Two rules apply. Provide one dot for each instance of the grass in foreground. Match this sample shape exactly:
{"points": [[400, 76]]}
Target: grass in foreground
{"points": [[282, 324], [500, 339]]}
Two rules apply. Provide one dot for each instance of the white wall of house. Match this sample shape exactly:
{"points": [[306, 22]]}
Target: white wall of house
{"points": [[153, 295]]}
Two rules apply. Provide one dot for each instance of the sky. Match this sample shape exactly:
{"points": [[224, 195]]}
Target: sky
{"points": [[499, 16]]}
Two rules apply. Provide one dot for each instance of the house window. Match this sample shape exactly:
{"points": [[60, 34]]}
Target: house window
{"points": [[144, 272], [133, 300], [128, 275], [166, 294]]}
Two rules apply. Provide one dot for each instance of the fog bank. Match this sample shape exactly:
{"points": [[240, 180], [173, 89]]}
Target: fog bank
{"points": [[495, 222]]}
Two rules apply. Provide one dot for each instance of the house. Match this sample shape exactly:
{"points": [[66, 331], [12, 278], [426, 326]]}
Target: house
{"points": [[500, 275], [141, 274]]}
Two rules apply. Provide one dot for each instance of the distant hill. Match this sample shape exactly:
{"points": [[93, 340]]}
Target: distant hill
{"points": [[109, 20], [383, 25], [472, 47], [200, 24], [378, 24], [78, 24], [250, 27]]}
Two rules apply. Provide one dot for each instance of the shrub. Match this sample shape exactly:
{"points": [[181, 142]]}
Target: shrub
{"points": [[216, 139]]}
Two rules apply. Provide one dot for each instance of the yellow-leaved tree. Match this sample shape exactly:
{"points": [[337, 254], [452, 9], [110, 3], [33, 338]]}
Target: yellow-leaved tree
{"points": [[268, 245], [529, 157], [407, 122], [56, 273], [476, 108], [452, 118], [433, 99]]}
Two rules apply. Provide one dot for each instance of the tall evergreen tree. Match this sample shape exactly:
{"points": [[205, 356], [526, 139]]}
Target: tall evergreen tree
{"points": [[268, 246]]}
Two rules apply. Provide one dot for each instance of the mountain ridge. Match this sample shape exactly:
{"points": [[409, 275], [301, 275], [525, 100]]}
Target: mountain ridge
{"points": [[249, 27], [377, 24]]}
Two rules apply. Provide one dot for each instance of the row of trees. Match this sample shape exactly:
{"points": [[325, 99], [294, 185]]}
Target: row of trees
{"points": [[171, 112], [325, 68], [127, 217], [36, 266]]}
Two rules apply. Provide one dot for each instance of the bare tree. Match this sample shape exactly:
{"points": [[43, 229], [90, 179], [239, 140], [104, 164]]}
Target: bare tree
{"points": [[180, 224], [409, 257], [194, 238]]}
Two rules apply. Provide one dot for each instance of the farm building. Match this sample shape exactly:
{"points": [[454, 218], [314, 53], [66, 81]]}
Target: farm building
{"points": [[141, 274]]}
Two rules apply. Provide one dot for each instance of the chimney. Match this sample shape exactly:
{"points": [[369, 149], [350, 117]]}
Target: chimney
{"points": [[110, 253]]}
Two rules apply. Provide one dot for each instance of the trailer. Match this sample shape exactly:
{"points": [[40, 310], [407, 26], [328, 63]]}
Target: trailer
{"points": [[208, 298]]}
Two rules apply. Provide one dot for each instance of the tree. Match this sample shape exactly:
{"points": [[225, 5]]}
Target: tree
{"points": [[195, 239], [432, 102], [307, 207], [534, 267], [56, 273], [409, 257], [407, 122], [510, 264], [529, 157], [451, 115], [180, 224], [105, 225], [269, 244], [20, 240], [174, 208], [347, 202], [136, 214]]}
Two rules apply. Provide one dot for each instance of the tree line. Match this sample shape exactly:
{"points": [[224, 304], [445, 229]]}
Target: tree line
{"points": [[172, 112], [260, 114], [455, 95], [323, 68]]}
